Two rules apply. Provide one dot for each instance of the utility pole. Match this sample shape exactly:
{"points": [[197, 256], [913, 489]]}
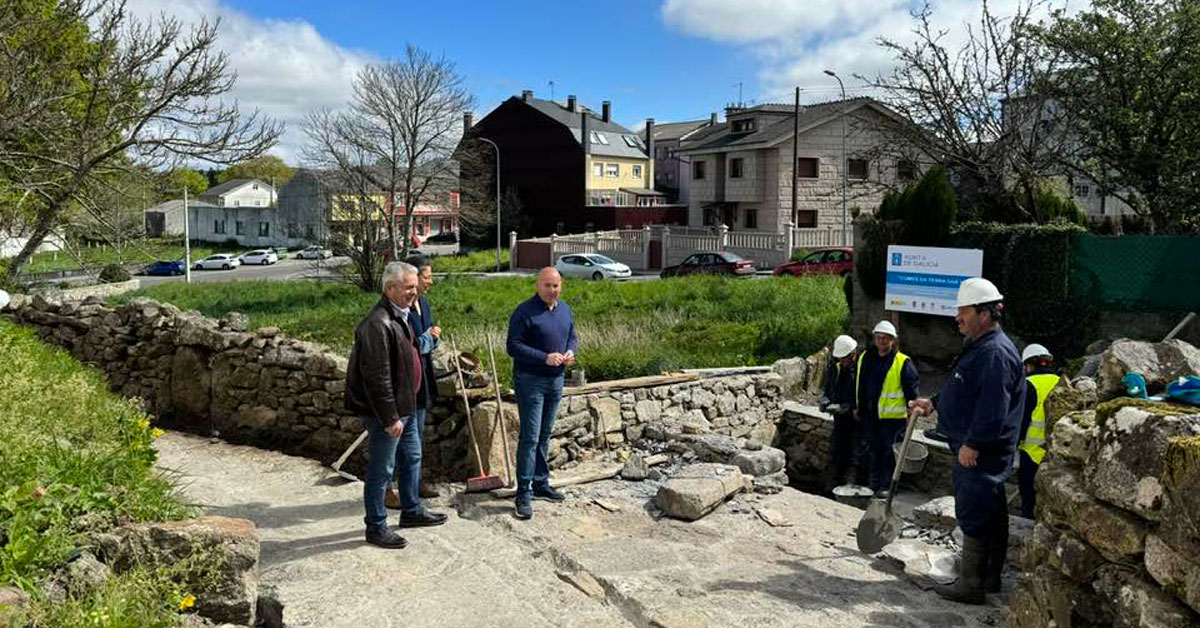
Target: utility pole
{"points": [[795, 157], [845, 161], [497, 149], [187, 240]]}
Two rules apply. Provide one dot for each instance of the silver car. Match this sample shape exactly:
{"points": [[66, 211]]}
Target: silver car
{"points": [[262, 257], [220, 261], [591, 266]]}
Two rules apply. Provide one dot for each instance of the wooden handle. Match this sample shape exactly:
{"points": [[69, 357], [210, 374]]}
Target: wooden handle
{"points": [[500, 411], [908, 432], [462, 387]]}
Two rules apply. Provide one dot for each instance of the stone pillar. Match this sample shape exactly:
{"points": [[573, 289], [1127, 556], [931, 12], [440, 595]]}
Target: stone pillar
{"points": [[645, 247], [789, 237], [553, 245], [666, 246], [722, 236]]}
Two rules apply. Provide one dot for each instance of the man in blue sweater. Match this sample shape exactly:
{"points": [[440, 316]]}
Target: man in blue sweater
{"points": [[541, 342]]}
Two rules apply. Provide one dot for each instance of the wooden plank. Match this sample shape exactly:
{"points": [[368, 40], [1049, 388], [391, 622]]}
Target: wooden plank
{"points": [[656, 459], [580, 476], [633, 382]]}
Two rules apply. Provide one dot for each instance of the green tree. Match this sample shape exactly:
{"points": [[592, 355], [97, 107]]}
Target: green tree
{"points": [[268, 169], [1131, 79], [180, 178]]}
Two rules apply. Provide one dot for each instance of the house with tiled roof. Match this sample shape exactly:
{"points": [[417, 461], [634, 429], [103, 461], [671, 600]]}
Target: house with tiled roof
{"points": [[671, 173]]}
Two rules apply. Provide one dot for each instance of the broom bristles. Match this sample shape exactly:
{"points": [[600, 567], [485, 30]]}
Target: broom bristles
{"points": [[484, 483]]}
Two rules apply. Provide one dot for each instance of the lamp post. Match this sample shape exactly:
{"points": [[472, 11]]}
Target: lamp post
{"points": [[497, 149], [845, 162], [187, 240]]}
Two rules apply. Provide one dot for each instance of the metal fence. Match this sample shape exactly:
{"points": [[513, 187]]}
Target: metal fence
{"points": [[1137, 272]]}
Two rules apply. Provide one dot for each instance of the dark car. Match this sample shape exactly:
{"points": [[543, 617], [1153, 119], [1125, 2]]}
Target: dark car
{"points": [[164, 267], [832, 261], [711, 263], [444, 237]]}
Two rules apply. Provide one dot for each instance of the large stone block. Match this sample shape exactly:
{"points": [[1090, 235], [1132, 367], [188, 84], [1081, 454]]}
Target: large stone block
{"points": [[607, 414], [714, 447], [1126, 463], [232, 595], [1074, 437], [937, 512], [1178, 573], [1180, 525], [762, 462], [697, 490], [1045, 598], [1139, 603], [491, 440], [1063, 502], [926, 565], [1160, 363]]}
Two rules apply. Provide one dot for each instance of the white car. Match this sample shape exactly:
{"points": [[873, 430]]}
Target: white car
{"points": [[222, 261], [261, 257], [314, 252], [591, 266]]}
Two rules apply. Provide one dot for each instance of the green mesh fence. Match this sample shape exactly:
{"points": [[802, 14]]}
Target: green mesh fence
{"points": [[1142, 273]]}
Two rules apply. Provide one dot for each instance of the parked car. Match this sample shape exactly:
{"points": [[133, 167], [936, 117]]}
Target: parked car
{"points": [[443, 237], [832, 261], [222, 261], [260, 257], [314, 252], [711, 263], [591, 266], [165, 268]]}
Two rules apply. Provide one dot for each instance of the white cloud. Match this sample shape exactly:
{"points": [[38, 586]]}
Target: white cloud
{"points": [[285, 68], [796, 40]]}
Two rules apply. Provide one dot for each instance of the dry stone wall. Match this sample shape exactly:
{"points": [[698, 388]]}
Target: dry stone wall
{"points": [[263, 389]]}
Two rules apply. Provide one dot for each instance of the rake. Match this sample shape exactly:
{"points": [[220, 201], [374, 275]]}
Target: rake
{"points": [[483, 482]]}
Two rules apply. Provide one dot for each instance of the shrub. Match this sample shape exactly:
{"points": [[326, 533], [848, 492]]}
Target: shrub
{"points": [[799, 254], [114, 273], [1050, 206]]}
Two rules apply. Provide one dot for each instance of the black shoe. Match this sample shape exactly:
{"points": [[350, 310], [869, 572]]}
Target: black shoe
{"points": [[383, 536], [969, 588], [423, 520], [524, 508], [548, 493]]}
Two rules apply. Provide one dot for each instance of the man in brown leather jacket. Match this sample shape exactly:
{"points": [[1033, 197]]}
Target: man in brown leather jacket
{"points": [[383, 385]]}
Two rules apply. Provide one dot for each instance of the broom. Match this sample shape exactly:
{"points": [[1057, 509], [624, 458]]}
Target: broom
{"points": [[483, 482]]}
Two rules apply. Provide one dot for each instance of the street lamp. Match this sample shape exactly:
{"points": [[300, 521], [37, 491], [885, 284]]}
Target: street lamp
{"points": [[845, 162], [497, 149]]}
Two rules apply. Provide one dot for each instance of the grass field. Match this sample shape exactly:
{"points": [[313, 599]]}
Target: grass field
{"points": [[625, 329], [474, 262], [77, 460], [140, 252]]}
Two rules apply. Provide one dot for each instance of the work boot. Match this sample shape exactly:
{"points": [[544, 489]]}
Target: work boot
{"points": [[383, 536], [424, 519], [427, 491], [968, 589], [996, 556], [548, 493], [391, 499], [524, 507]]}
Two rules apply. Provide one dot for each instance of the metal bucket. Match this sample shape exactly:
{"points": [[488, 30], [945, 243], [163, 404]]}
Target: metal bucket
{"points": [[853, 495], [914, 462]]}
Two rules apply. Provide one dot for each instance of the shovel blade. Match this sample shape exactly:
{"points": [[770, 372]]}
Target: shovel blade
{"points": [[878, 527]]}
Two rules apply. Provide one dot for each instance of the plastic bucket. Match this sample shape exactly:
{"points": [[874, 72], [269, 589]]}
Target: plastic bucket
{"points": [[914, 462], [853, 495]]}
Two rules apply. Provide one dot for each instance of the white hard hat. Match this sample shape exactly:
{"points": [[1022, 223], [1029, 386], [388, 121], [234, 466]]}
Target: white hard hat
{"points": [[843, 346], [1034, 351], [885, 327], [977, 290], [3, 299]]}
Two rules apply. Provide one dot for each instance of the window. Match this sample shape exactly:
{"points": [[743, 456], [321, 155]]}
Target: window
{"points": [[255, 186], [598, 138], [237, 203], [558, 227], [906, 170], [293, 230], [743, 126], [420, 229], [856, 168], [258, 203], [807, 167], [264, 229], [637, 171], [698, 170], [630, 141], [597, 170], [309, 231], [735, 167], [1083, 191], [218, 226], [751, 218], [239, 227], [806, 218], [612, 170]]}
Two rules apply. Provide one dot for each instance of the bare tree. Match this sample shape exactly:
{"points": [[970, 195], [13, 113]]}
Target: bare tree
{"points": [[134, 95], [980, 108]]}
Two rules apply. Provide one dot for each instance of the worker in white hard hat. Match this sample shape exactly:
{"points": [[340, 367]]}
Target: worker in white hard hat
{"points": [[1041, 377], [886, 381], [837, 398], [980, 408]]}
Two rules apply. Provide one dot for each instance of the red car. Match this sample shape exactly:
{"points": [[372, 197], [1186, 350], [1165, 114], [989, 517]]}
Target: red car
{"points": [[831, 261], [711, 263]]}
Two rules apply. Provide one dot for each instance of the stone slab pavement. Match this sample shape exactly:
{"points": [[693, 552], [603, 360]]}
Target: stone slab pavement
{"points": [[605, 558]]}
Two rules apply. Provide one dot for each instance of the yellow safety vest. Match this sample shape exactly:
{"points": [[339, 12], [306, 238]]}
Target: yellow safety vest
{"points": [[1035, 438], [892, 404]]}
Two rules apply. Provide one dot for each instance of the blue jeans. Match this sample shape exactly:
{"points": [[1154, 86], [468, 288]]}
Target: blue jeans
{"points": [[882, 434], [537, 403], [408, 464]]}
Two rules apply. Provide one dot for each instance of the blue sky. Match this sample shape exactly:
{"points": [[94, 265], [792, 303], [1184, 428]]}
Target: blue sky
{"points": [[667, 59]]}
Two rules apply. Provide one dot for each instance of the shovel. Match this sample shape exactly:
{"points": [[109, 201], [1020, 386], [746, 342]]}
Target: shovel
{"points": [[879, 525]]}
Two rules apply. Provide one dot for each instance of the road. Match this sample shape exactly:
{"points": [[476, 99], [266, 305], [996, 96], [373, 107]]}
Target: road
{"points": [[284, 270]]}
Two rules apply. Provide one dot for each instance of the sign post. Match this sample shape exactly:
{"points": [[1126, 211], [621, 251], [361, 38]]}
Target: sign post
{"points": [[925, 280]]}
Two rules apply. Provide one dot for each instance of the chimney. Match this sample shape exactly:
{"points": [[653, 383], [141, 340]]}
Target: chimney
{"points": [[571, 104], [527, 95], [650, 137], [712, 120], [606, 111], [468, 122], [584, 138]]}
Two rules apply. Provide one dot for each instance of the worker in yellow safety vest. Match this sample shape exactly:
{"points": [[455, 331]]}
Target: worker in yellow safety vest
{"points": [[1041, 377], [886, 381]]}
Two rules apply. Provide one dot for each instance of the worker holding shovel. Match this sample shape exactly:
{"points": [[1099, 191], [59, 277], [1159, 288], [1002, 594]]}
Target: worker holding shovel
{"points": [[980, 407]]}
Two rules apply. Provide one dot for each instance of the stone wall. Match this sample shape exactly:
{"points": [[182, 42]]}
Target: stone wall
{"points": [[260, 388], [1117, 540]]}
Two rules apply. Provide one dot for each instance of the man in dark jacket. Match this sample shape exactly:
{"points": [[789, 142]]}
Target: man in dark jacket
{"points": [[887, 380], [837, 399], [383, 383], [980, 407], [542, 342]]}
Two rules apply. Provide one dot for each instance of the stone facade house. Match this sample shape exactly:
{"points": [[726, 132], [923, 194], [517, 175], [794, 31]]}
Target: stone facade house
{"points": [[672, 174]]}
